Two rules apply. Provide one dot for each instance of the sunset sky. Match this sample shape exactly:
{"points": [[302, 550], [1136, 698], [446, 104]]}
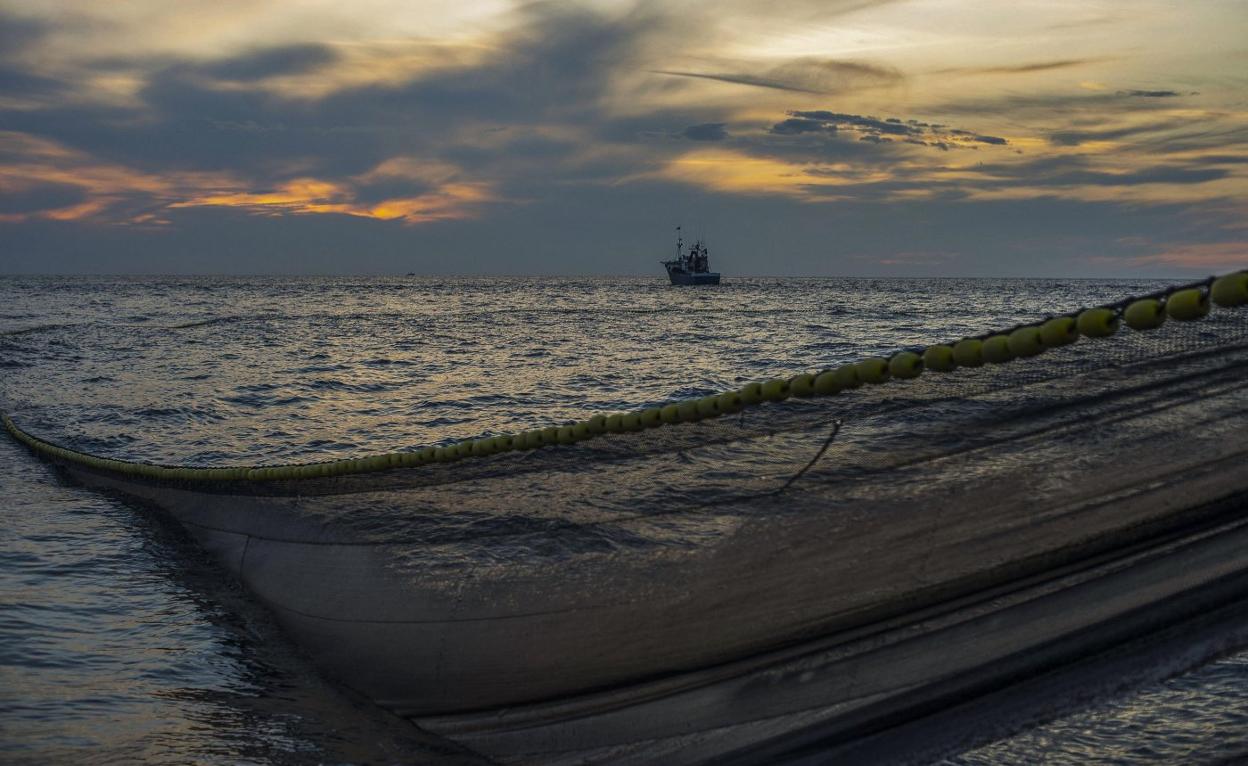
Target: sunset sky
{"points": [[851, 137]]}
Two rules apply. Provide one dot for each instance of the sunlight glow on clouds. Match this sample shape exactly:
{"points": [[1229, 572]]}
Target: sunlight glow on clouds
{"points": [[449, 201], [739, 173]]}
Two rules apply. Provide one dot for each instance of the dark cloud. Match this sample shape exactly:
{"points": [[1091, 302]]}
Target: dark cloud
{"points": [[707, 131], [552, 69], [39, 197], [174, 95], [184, 124], [1197, 136], [393, 188], [1154, 175], [18, 82], [1035, 66], [805, 75], [652, 125], [271, 62], [1150, 93], [18, 33], [738, 79], [523, 151], [1224, 159], [795, 125], [873, 124], [247, 67], [979, 138], [876, 130], [1076, 171], [1075, 137], [1048, 106]]}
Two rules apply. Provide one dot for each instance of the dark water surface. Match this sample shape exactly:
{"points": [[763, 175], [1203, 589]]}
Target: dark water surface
{"points": [[120, 642]]}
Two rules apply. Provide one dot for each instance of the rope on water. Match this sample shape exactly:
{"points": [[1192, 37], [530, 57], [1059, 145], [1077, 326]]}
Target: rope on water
{"points": [[836, 428]]}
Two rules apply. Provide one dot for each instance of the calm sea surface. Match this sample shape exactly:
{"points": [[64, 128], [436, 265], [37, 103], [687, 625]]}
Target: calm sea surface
{"points": [[121, 642]]}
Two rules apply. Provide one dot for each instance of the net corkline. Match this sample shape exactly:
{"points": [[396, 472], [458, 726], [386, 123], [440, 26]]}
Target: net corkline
{"points": [[1141, 313]]}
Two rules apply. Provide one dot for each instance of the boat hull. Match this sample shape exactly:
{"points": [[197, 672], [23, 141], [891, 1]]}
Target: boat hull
{"points": [[686, 278]]}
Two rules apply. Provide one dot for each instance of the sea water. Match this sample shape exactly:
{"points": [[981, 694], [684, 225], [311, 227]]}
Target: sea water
{"points": [[121, 642]]}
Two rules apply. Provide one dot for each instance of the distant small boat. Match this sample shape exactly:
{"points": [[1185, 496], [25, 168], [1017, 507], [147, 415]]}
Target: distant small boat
{"points": [[693, 267]]}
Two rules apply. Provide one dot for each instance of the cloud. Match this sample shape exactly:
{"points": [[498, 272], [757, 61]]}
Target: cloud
{"points": [[19, 84], [978, 138], [1150, 93], [304, 196], [517, 116], [1047, 106], [271, 62], [805, 75], [707, 131], [1086, 177], [22, 199], [16, 82], [890, 125], [738, 79], [19, 34], [796, 125], [876, 130], [829, 156], [1076, 137], [1162, 174], [552, 68], [1035, 66]]}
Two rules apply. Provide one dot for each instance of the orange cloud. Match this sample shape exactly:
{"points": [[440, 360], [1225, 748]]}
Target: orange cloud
{"points": [[449, 201], [106, 185], [738, 173], [109, 187]]}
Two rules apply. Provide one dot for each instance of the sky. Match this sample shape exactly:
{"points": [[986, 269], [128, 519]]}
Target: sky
{"points": [[1065, 138]]}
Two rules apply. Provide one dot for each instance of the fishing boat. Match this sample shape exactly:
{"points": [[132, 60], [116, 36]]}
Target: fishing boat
{"points": [[692, 267]]}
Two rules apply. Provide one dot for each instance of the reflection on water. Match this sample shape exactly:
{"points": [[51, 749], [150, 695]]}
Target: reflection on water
{"points": [[120, 640]]}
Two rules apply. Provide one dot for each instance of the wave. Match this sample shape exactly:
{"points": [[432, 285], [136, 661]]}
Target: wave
{"points": [[37, 328]]}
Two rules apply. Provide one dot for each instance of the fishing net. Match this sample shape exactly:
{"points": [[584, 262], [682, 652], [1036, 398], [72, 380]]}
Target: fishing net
{"points": [[615, 551]]}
